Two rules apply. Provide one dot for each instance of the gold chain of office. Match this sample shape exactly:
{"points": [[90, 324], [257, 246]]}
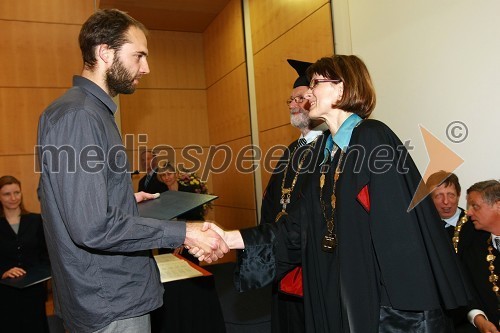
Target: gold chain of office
{"points": [[286, 192], [329, 241], [458, 228], [490, 258]]}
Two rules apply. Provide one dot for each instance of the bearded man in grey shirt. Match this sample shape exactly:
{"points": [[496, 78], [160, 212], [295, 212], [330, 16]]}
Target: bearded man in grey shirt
{"points": [[104, 277]]}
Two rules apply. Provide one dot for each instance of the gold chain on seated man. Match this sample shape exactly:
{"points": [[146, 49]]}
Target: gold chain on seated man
{"points": [[490, 258], [456, 233]]}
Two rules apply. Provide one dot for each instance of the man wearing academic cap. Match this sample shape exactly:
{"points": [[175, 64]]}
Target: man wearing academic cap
{"points": [[279, 197]]}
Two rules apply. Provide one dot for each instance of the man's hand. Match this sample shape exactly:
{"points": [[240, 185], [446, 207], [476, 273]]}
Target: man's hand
{"points": [[14, 272], [206, 240], [484, 325], [143, 196]]}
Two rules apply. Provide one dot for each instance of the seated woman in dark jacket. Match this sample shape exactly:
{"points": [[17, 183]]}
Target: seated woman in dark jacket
{"points": [[22, 247]]}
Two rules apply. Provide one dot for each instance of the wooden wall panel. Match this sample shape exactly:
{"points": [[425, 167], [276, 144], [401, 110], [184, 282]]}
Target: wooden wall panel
{"points": [[38, 57], [234, 187], [54, 11], [276, 137], [224, 43], [175, 61], [20, 109], [23, 168], [38, 54], [272, 19], [228, 116], [272, 72], [170, 104], [169, 117], [235, 218]]}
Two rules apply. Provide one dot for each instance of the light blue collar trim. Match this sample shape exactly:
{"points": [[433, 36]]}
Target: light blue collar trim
{"points": [[342, 137]]}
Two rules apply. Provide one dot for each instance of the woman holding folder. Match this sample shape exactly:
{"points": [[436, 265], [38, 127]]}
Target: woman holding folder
{"points": [[22, 247]]}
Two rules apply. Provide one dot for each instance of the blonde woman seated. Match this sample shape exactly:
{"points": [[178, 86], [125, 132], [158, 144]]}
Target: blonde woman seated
{"points": [[183, 182]]}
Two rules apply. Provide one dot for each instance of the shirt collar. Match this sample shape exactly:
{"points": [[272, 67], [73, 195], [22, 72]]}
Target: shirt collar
{"points": [[94, 89], [493, 236], [454, 219], [342, 137], [311, 135]]}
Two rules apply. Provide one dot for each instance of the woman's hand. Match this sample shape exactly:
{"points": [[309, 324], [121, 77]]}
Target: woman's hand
{"points": [[14, 272]]}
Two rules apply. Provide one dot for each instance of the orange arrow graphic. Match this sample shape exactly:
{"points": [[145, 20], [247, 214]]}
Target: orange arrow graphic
{"points": [[441, 157]]}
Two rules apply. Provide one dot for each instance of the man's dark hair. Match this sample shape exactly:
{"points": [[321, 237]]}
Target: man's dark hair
{"points": [[105, 26], [443, 177]]}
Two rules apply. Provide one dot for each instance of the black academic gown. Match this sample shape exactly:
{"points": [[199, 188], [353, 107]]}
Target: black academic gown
{"points": [[476, 267], [257, 266], [385, 256]]}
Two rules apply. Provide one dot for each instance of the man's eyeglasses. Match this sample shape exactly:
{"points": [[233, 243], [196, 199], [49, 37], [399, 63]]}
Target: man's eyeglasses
{"points": [[298, 99], [315, 82]]}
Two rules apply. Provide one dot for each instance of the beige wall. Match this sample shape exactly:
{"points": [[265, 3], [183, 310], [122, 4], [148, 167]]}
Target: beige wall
{"points": [[435, 63], [38, 57]]}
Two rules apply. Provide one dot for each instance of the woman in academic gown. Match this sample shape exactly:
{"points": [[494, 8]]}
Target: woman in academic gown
{"points": [[370, 264], [22, 246]]}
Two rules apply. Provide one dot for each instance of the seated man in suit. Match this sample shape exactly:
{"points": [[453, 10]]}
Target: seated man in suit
{"points": [[150, 182], [445, 193], [482, 259]]}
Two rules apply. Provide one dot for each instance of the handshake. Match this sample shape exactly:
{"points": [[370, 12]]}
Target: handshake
{"points": [[208, 242], [205, 240]]}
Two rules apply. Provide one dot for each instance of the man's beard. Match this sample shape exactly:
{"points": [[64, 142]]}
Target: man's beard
{"points": [[119, 79], [300, 120]]}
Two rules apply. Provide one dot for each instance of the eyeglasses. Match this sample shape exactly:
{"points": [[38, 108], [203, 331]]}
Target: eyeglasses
{"points": [[315, 82], [298, 99]]}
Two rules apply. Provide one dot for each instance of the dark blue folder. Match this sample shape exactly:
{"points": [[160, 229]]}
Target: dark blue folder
{"points": [[171, 204], [33, 276]]}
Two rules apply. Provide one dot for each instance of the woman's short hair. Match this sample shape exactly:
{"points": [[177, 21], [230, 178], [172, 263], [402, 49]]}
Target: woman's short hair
{"points": [[9, 180], [358, 94]]}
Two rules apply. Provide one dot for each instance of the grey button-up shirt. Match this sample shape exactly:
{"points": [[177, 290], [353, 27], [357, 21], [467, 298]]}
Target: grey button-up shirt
{"points": [[97, 243]]}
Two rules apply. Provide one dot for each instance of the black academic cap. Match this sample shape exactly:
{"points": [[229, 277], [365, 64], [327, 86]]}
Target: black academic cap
{"points": [[301, 68]]}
